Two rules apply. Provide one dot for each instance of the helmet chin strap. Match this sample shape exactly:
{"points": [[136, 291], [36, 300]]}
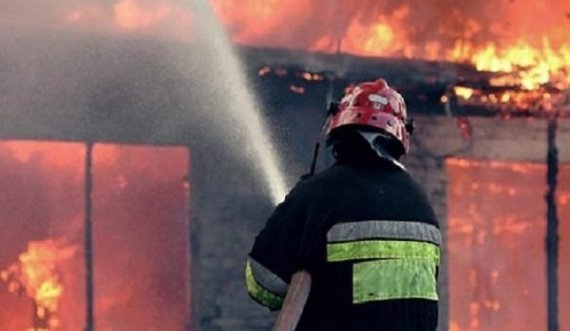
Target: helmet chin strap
{"points": [[371, 138]]}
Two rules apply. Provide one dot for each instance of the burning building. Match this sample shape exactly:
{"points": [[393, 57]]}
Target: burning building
{"points": [[107, 124]]}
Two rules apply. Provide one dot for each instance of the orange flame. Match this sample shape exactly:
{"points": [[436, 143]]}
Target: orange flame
{"points": [[384, 35], [529, 42], [530, 67], [36, 276]]}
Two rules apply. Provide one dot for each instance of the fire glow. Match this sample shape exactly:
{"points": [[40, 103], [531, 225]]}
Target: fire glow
{"points": [[496, 248], [36, 275], [139, 191]]}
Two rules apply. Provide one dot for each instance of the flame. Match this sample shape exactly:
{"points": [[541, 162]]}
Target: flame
{"points": [[526, 46], [252, 19], [463, 92], [381, 36], [529, 67], [44, 185], [36, 276]]}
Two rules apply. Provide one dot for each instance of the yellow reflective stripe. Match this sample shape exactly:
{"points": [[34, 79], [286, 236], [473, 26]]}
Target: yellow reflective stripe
{"points": [[394, 279], [267, 279], [259, 293], [382, 249]]}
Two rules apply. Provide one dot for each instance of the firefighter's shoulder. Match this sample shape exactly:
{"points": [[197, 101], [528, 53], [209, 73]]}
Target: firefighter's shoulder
{"points": [[311, 185]]}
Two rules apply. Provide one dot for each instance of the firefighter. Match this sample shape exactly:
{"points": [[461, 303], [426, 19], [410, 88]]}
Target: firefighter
{"points": [[363, 229]]}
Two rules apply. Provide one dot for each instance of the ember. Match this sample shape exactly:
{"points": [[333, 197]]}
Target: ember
{"points": [[309, 76], [264, 71], [507, 101], [297, 89]]}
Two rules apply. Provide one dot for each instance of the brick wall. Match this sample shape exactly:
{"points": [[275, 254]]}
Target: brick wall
{"points": [[227, 230], [437, 138]]}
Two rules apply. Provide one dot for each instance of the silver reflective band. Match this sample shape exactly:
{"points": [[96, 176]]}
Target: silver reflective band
{"points": [[384, 229], [267, 279]]}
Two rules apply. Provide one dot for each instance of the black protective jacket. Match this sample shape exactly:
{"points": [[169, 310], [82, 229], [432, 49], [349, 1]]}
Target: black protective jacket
{"points": [[370, 240]]}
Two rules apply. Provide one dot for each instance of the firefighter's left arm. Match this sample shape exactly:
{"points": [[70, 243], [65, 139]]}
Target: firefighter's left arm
{"points": [[277, 252]]}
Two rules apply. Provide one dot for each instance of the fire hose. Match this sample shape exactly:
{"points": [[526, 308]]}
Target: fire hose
{"points": [[294, 303]]}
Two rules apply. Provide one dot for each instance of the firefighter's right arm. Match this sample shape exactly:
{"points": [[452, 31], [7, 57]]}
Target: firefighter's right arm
{"points": [[276, 253]]}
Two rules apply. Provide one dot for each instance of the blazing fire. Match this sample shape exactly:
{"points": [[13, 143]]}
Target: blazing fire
{"points": [[523, 48], [530, 67], [139, 191], [528, 38], [524, 77], [36, 276], [524, 45]]}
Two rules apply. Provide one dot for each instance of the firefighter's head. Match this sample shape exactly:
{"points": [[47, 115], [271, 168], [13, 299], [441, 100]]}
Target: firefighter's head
{"points": [[373, 111]]}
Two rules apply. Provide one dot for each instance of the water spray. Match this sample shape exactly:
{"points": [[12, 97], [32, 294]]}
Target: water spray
{"points": [[241, 102]]}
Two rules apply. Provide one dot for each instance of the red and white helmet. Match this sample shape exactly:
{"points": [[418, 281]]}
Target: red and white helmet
{"points": [[372, 105]]}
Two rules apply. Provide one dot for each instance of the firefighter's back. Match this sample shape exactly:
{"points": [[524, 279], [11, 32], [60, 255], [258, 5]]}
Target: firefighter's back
{"points": [[372, 251]]}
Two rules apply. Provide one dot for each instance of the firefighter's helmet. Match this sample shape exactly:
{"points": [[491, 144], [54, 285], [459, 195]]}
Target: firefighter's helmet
{"points": [[371, 106]]}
